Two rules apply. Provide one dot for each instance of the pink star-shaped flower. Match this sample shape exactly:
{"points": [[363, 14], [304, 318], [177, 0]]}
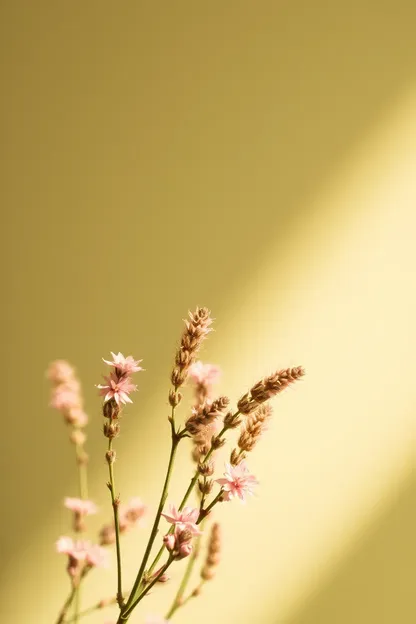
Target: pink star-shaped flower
{"points": [[237, 481], [117, 388], [80, 506], [206, 374], [185, 519], [125, 365]]}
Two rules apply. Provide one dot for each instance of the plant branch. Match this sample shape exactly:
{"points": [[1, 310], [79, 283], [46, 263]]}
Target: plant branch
{"points": [[115, 502]]}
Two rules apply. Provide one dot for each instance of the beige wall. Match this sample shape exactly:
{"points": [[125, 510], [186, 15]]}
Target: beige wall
{"points": [[258, 158]]}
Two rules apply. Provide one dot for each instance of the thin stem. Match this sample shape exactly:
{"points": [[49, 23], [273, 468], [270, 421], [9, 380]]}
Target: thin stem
{"points": [[77, 607], [126, 614], [115, 503], [98, 605], [175, 441], [185, 499], [177, 601], [82, 472], [67, 604]]}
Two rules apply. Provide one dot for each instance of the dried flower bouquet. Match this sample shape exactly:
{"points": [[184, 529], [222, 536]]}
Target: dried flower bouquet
{"points": [[206, 427]]}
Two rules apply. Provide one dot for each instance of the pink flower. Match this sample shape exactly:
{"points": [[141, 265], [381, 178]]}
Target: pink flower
{"points": [[132, 513], [81, 507], [60, 371], [96, 556], [64, 398], [125, 365], [83, 550], [206, 374], [185, 519], [117, 389], [237, 481]]}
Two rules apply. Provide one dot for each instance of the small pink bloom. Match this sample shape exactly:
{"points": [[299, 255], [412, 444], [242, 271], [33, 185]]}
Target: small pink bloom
{"points": [[60, 372], [75, 549], [132, 513], [237, 481], [83, 550], [80, 506], [96, 556], [206, 374], [185, 519], [117, 389], [64, 398], [125, 365]]}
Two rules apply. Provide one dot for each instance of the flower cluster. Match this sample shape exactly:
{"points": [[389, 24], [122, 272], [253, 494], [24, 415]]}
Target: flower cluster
{"points": [[237, 482], [207, 426], [80, 508], [119, 384], [66, 393], [81, 553], [129, 516]]}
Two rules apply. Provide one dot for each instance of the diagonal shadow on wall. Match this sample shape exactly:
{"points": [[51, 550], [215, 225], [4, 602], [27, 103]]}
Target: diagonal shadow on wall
{"points": [[375, 582]]}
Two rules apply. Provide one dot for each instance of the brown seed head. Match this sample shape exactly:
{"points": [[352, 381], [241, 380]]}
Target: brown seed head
{"points": [[110, 457], [236, 457], [206, 414], [268, 387], [205, 486], [231, 421], [254, 427], [111, 429], [213, 554], [196, 330]]}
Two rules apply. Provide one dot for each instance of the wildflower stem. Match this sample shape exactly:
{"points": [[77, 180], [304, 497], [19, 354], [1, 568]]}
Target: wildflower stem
{"points": [[204, 512], [176, 437], [185, 498], [67, 604], [124, 616], [115, 503], [92, 608], [82, 472], [177, 601]]}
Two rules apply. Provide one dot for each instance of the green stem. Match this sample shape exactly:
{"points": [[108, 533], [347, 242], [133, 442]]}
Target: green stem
{"points": [[175, 441], [77, 601], [178, 602], [115, 503], [127, 612], [96, 607], [82, 472], [185, 499], [67, 604]]}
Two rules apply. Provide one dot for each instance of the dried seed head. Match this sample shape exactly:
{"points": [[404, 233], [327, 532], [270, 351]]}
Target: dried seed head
{"points": [[268, 387], [254, 426], [231, 421], [205, 486], [236, 457], [213, 554], [110, 457], [206, 469], [206, 414], [217, 442], [111, 429], [111, 410], [245, 405], [196, 330], [174, 398]]}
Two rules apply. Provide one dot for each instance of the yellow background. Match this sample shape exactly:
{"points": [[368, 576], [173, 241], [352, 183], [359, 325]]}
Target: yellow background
{"points": [[258, 158]]}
